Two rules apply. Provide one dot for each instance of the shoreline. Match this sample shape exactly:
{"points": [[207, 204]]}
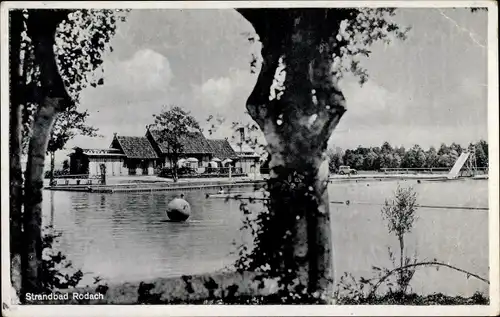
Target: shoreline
{"points": [[151, 185]]}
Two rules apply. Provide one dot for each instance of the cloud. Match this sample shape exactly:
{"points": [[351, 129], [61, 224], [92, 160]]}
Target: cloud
{"points": [[147, 70], [227, 92], [133, 90], [374, 105], [147, 75], [217, 91]]}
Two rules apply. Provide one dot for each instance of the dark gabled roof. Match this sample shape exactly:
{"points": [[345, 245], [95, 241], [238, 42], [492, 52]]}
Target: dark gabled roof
{"points": [[221, 149], [136, 147], [193, 143]]}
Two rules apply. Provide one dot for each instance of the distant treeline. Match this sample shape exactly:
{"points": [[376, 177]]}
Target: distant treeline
{"points": [[387, 156]]}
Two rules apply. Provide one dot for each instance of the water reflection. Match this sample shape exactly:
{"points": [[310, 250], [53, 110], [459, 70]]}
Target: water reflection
{"points": [[125, 236]]}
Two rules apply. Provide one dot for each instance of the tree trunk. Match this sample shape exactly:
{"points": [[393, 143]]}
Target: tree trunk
{"points": [[173, 165], [33, 195], [297, 126], [52, 167], [401, 264], [16, 177], [41, 29], [175, 175]]}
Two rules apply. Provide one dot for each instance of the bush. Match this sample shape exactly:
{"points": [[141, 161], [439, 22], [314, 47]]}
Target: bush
{"points": [[56, 173], [414, 299]]}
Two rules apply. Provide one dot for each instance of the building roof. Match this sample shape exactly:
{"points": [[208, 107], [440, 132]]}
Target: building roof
{"points": [[99, 152], [136, 147], [193, 143], [221, 149]]}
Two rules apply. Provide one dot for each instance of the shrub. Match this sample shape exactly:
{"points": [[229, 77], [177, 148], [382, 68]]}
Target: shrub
{"points": [[165, 172], [56, 173]]}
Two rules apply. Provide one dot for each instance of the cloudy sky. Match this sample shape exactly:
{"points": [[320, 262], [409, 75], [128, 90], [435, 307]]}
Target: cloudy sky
{"points": [[428, 89]]}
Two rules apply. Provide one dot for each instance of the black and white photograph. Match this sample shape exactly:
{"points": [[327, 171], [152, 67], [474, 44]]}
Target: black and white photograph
{"points": [[222, 158]]}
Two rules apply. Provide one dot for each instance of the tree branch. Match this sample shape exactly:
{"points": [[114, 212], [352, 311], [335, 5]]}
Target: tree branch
{"points": [[429, 263]]}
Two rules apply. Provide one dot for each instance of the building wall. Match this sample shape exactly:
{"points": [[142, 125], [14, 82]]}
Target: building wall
{"points": [[114, 166], [146, 167], [248, 165], [124, 167], [93, 167]]}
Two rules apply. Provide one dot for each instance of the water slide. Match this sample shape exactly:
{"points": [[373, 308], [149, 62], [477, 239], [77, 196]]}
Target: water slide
{"points": [[458, 165]]}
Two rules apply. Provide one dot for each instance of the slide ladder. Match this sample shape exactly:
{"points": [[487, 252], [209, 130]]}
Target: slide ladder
{"points": [[455, 170]]}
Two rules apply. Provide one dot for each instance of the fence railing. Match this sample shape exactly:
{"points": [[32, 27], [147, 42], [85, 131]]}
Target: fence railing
{"points": [[423, 170], [427, 170], [212, 172], [76, 179], [220, 170]]}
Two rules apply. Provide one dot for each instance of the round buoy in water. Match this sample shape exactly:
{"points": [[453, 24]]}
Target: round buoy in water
{"points": [[178, 209]]}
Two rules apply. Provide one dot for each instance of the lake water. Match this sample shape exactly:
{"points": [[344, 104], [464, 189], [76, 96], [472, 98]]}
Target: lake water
{"points": [[124, 237]]}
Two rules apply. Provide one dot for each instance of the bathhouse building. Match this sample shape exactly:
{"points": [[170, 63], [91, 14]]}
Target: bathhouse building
{"points": [[141, 155]]}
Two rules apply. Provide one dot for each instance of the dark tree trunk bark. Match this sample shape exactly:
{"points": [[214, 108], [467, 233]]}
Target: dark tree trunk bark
{"points": [[297, 127], [175, 175], [42, 25], [16, 177]]}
